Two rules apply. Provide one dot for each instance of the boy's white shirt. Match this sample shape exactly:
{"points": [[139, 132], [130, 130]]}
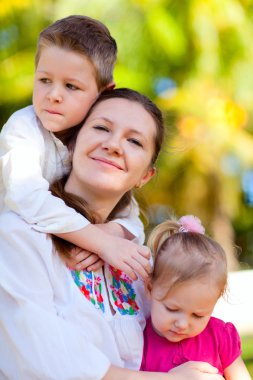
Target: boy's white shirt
{"points": [[31, 158], [48, 329]]}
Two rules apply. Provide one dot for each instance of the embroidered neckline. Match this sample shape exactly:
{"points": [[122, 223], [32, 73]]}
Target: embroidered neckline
{"points": [[121, 291]]}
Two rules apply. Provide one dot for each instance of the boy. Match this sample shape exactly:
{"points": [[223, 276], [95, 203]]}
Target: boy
{"points": [[74, 63]]}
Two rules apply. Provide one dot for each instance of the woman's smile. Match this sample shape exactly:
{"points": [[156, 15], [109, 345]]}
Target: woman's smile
{"points": [[107, 162], [118, 137]]}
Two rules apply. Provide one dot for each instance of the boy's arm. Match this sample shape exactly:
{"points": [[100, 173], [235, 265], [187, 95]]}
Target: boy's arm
{"points": [[237, 371], [80, 259], [23, 188], [131, 223], [127, 226], [121, 253]]}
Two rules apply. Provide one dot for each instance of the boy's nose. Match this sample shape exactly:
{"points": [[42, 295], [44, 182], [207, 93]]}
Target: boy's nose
{"points": [[55, 95]]}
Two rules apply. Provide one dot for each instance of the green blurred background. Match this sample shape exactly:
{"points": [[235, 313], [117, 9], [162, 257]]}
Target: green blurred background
{"points": [[195, 59]]}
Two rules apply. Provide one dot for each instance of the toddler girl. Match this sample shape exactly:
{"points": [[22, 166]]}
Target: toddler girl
{"points": [[190, 274]]}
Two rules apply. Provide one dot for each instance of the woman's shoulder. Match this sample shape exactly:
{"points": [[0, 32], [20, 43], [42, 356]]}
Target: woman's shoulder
{"points": [[10, 221], [14, 230]]}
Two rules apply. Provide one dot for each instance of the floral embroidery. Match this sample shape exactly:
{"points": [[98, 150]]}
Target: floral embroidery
{"points": [[122, 292], [83, 280]]}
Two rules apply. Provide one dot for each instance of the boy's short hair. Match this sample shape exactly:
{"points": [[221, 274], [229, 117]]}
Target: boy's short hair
{"points": [[86, 36]]}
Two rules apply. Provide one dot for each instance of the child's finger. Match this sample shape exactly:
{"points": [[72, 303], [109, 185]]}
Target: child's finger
{"points": [[144, 251], [75, 251], [140, 269], [99, 264], [128, 270], [85, 262], [144, 262]]}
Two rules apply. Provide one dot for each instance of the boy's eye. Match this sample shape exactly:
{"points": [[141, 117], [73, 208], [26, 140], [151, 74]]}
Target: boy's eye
{"points": [[135, 142], [71, 86], [44, 80]]}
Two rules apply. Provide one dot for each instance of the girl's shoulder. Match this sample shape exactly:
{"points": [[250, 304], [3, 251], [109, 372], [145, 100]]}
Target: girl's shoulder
{"points": [[222, 326]]}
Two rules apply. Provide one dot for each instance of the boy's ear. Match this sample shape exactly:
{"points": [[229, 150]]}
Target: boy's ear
{"points": [[110, 86]]}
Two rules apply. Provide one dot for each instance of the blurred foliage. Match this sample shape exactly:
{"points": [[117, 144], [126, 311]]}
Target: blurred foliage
{"points": [[194, 58], [247, 352]]}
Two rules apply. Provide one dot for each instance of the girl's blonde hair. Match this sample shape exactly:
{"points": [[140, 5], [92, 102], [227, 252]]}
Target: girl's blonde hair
{"points": [[185, 256]]}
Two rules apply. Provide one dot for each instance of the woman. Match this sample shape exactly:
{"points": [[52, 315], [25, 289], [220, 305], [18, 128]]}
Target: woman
{"points": [[49, 328]]}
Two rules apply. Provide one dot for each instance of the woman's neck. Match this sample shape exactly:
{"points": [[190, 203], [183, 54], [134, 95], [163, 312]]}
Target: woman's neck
{"points": [[100, 204]]}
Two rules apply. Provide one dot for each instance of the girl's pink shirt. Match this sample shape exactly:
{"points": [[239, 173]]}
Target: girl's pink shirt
{"points": [[219, 344]]}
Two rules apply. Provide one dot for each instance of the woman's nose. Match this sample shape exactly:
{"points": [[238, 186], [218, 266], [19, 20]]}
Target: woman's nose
{"points": [[113, 145]]}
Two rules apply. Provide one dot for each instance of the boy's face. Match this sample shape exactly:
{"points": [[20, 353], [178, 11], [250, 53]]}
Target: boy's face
{"points": [[64, 88], [185, 311]]}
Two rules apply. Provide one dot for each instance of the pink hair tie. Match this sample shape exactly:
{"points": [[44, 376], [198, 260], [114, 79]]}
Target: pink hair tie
{"points": [[190, 223]]}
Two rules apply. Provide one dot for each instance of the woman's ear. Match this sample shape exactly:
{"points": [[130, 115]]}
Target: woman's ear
{"points": [[148, 288], [147, 177]]}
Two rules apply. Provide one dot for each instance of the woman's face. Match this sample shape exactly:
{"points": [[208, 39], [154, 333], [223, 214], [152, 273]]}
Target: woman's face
{"points": [[114, 149]]}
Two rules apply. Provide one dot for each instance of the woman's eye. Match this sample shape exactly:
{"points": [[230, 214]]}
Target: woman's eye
{"points": [[101, 128], [171, 310], [135, 142], [71, 86]]}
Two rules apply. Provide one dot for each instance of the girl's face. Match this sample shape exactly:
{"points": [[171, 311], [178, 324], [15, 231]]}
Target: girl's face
{"points": [[113, 150], [185, 311]]}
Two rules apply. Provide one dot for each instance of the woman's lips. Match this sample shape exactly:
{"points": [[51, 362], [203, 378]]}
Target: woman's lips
{"points": [[107, 162]]}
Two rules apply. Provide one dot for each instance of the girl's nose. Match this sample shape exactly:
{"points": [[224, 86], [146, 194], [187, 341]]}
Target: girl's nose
{"points": [[181, 323]]}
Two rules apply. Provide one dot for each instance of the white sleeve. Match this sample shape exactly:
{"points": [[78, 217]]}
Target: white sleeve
{"points": [[129, 218], [35, 341], [24, 189]]}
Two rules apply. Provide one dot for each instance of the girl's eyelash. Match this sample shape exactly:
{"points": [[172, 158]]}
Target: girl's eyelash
{"points": [[198, 316]]}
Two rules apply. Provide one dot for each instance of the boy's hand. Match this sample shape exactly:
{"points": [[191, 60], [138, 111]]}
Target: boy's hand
{"points": [[80, 259], [127, 256], [123, 254]]}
